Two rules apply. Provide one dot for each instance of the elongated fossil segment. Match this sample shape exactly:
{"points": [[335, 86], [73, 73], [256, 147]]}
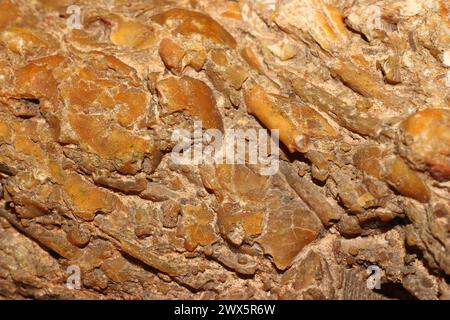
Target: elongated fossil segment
{"points": [[313, 18], [343, 113], [150, 259], [364, 83], [327, 211], [407, 181], [262, 106]]}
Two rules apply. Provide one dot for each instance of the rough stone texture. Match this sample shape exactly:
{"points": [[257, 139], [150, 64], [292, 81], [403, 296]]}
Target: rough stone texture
{"points": [[86, 178]]}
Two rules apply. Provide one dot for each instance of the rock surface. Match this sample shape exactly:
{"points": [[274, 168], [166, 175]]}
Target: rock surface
{"points": [[358, 91]]}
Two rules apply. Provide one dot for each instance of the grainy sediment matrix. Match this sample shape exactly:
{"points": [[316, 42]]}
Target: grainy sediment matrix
{"points": [[91, 205]]}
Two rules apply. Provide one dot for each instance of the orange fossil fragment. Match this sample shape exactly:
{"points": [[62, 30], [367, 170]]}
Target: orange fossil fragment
{"points": [[283, 49], [336, 20], [236, 75], [173, 268], [368, 159], [21, 40], [327, 211], [226, 76], [391, 70], [132, 34], [54, 240], [358, 79], [263, 107], [364, 83], [55, 4], [86, 197], [83, 38], [78, 236], [5, 131], [252, 207], [312, 123], [51, 62], [197, 226], [196, 58], [114, 143], [241, 181], [117, 269], [134, 105], [172, 55], [27, 207], [324, 23], [82, 93], [117, 65], [8, 13], [406, 181], [176, 58], [251, 222], [191, 95], [333, 106], [289, 230], [219, 57], [251, 58], [427, 136], [87, 88], [188, 22], [25, 145], [238, 184], [36, 79], [233, 11]]}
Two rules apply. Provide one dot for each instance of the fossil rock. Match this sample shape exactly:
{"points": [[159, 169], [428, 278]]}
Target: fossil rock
{"points": [[358, 91]]}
